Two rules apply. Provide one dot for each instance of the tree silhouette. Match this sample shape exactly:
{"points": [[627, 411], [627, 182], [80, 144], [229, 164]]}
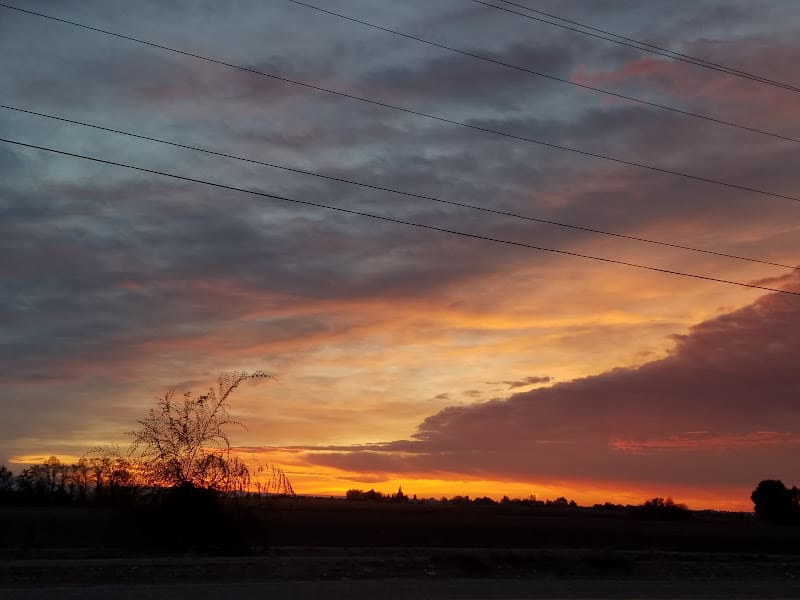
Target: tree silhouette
{"points": [[362, 495], [183, 441], [6, 482], [775, 503], [106, 469]]}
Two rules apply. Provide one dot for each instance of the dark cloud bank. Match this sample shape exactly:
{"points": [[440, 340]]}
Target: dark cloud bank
{"points": [[722, 409]]}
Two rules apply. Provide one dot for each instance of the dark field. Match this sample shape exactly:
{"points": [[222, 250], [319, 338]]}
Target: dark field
{"points": [[256, 526], [326, 523], [305, 539]]}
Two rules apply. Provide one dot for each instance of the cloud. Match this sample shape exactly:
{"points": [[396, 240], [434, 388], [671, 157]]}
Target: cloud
{"points": [[524, 382], [775, 282], [451, 76], [719, 410], [118, 284]]}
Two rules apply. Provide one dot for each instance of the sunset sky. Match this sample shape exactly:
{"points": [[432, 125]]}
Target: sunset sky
{"points": [[449, 365]]}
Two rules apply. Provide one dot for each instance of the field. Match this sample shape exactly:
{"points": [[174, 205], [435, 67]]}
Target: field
{"points": [[254, 526], [321, 522], [307, 538]]}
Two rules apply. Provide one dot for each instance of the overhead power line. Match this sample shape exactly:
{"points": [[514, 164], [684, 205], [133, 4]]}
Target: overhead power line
{"points": [[634, 43], [394, 190], [535, 73], [399, 221], [417, 113]]}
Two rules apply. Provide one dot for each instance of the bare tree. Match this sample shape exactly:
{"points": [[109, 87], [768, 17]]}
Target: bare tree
{"points": [[184, 440], [79, 478], [104, 467]]}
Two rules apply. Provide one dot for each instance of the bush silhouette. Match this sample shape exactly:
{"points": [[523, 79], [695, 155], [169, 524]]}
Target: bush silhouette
{"points": [[662, 509]]}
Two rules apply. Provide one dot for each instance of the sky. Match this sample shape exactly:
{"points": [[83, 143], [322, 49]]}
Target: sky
{"points": [[406, 356]]}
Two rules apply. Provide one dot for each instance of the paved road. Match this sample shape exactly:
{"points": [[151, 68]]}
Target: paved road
{"points": [[417, 589]]}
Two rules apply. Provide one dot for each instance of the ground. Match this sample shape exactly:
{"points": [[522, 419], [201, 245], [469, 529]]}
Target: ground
{"points": [[305, 548]]}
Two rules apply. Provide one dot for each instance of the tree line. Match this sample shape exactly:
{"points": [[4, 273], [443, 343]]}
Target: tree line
{"points": [[654, 507], [772, 501], [182, 442], [101, 475]]}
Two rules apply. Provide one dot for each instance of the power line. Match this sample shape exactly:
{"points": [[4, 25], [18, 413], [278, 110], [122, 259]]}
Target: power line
{"points": [[417, 113], [393, 190], [399, 221], [528, 71], [637, 44]]}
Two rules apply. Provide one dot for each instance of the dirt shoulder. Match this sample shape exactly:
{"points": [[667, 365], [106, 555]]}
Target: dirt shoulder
{"points": [[298, 563]]}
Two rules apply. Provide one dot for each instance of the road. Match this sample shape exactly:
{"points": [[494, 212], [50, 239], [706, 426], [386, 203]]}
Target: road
{"points": [[418, 589]]}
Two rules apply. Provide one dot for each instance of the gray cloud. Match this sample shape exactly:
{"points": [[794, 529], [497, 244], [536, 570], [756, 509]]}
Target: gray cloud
{"points": [[100, 269]]}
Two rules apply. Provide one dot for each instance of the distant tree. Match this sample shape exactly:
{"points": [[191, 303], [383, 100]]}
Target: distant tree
{"points": [[664, 509], [664, 504], [6, 479], [6, 484], [79, 479], [38, 483], [775, 503], [184, 441], [608, 506], [104, 470], [52, 471], [362, 495], [485, 501]]}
